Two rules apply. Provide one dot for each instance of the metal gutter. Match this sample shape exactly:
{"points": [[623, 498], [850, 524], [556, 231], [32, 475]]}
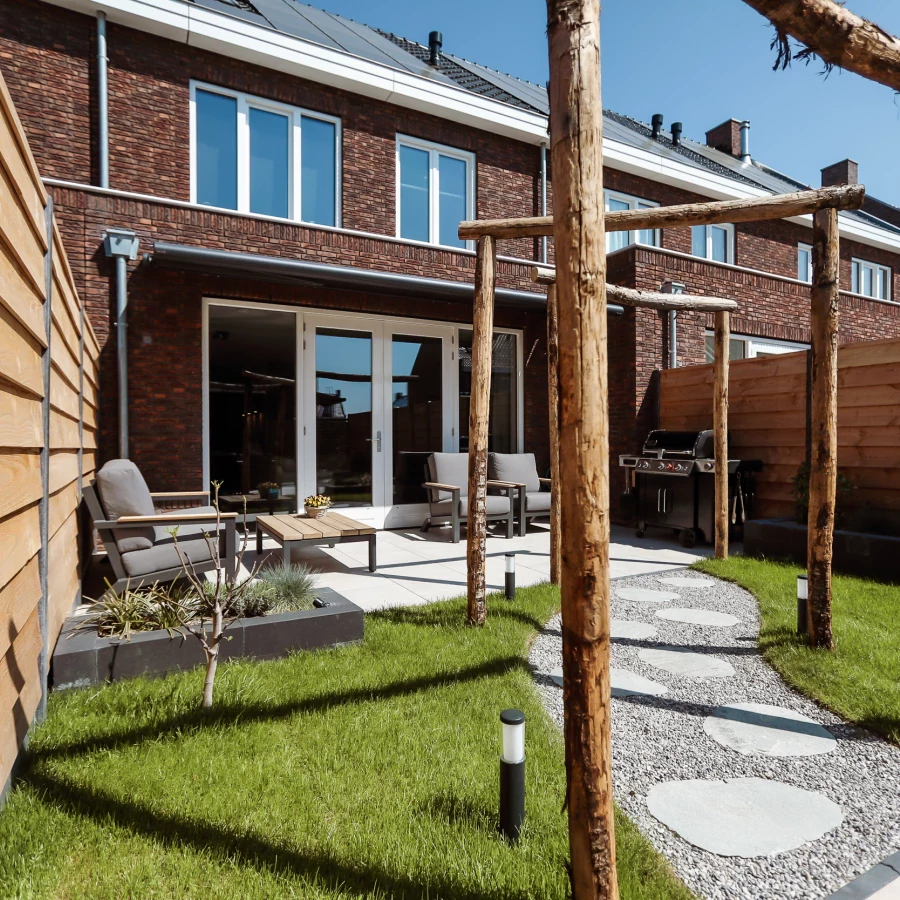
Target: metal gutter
{"points": [[314, 274], [102, 100]]}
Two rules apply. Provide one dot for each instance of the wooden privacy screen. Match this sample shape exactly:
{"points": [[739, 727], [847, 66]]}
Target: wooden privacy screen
{"points": [[767, 420], [48, 426]]}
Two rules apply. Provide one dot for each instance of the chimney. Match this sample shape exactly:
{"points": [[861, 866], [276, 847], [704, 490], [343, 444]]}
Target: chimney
{"points": [[726, 137], [676, 134], [745, 141], [435, 42], [844, 172], [656, 124]]}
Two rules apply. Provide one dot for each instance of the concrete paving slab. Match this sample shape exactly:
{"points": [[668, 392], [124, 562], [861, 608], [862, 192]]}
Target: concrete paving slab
{"points": [[698, 617], [745, 817], [687, 581], [620, 629], [623, 683], [645, 595], [686, 663], [758, 729]]}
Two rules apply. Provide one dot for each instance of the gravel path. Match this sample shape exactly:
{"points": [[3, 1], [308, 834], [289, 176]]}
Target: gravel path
{"points": [[658, 739]]}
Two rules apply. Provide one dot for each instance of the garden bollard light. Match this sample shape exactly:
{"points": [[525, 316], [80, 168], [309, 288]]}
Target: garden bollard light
{"points": [[802, 610], [512, 774], [510, 576]]}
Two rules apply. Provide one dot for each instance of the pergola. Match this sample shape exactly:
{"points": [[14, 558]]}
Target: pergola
{"points": [[579, 415]]}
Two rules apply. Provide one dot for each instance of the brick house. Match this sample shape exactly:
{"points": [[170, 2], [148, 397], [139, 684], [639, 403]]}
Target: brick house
{"points": [[289, 183]]}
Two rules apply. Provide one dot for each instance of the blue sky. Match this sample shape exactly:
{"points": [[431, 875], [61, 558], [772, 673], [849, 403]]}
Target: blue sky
{"points": [[697, 61]]}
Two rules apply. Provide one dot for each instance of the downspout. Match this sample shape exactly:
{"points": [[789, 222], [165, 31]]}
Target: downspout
{"points": [[122, 246], [102, 100], [544, 197], [672, 287]]}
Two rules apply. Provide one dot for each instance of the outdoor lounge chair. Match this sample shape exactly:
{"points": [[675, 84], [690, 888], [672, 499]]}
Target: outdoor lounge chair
{"points": [[136, 537], [448, 487], [520, 469]]}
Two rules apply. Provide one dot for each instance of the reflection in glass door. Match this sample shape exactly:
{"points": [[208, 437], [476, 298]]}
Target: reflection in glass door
{"points": [[503, 431]]}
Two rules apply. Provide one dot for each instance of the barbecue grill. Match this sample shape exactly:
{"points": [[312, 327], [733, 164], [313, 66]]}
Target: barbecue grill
{"points": [[671, 485]]}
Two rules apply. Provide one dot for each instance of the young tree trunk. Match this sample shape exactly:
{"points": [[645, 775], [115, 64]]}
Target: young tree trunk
{"points": [[720, 426], [479, 414], [211, 647], [580, 244], [823, 425], [553, 406]]}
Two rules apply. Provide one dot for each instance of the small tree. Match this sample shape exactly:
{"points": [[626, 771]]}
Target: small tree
{"points": [[221, 602]]}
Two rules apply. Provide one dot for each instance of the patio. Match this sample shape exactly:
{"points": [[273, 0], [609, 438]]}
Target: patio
{"points": [[416, 567]]}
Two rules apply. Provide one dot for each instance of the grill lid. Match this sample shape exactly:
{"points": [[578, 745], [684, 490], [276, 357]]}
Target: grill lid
{"points": [[685, 444]]}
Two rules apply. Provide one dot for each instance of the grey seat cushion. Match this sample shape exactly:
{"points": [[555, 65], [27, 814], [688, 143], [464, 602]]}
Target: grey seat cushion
{"points": [[186, 532], [537, 501], [123, 492], [496, 506], [164, 556], [519, 468], [452, 469]]}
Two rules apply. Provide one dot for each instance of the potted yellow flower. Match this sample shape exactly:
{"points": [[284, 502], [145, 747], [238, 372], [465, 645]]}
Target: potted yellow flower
{"points": [[317, 505]]}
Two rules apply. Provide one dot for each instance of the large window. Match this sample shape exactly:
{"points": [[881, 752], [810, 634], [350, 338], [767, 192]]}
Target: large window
{"points": [[804, 263], [744, 347], [435, 191], [715, 242], [615, 240], [255, 156], [871, 280]]}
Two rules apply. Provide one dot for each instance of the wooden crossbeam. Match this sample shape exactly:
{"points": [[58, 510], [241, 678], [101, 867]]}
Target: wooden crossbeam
{"points": [[648, 299], [778, 206]]}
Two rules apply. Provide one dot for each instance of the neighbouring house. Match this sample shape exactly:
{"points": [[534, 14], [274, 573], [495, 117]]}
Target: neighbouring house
{"points": [[270, 195]]}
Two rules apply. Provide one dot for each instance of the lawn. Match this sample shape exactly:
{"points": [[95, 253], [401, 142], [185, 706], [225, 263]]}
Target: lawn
{"points": [[368, 771], [860, 679]]}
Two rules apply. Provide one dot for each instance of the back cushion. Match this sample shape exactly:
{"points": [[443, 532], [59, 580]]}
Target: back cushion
{"points": [[520, 468], [452, 469], [123, 492]]}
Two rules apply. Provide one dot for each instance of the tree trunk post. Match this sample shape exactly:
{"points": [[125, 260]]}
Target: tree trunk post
{"points": [[573, 29], [553, 407], [479, 413], [720, 428], [823, 424]]}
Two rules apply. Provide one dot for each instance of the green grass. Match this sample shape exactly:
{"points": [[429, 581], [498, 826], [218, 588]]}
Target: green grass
{"points": [[369, 771], [860, 679]]}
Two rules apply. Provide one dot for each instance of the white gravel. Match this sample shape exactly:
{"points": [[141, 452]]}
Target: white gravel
{"points": [[658, 739]]}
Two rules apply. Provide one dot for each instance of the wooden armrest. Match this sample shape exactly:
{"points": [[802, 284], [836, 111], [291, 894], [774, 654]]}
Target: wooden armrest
{"points": [[171, 495], [186, 519], [441, 487], [545, 480], [505, 484]]}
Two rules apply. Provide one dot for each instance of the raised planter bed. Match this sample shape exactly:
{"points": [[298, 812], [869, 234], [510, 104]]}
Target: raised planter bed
{"points": [[855, 553], [86, 659]]}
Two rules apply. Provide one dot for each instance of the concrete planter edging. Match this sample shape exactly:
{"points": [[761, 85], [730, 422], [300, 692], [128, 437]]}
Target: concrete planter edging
{"points": [[87, 658]]}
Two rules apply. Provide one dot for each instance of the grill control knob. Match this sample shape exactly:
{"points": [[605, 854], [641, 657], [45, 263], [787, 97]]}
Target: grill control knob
{"points": [[708, 466]]}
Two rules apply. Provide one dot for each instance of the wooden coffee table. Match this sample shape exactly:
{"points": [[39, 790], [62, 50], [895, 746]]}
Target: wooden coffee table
{"points": [[332, 528]]}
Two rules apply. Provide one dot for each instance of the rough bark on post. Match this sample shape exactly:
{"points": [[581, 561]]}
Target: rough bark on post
{"points": [[823, 424], [573, 29], [720, 427], [479, 412], [553, 408]]}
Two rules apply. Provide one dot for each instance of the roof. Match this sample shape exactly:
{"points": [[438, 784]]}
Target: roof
{"points": [[338, 33]]}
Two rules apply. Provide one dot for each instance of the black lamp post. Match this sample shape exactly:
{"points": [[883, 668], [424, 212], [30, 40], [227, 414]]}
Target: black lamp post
{"points": [[512, 774], [802, 604], [510, 576]]}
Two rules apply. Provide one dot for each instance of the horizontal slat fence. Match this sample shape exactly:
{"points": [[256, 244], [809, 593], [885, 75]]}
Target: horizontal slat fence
{"points": [[767, 420], [48, 419]]}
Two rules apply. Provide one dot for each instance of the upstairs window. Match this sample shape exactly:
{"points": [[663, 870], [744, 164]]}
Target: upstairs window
{"points": [[616, 240], [804, 263], [715, 242], [435, 191], [254, 156], [870, 279]]}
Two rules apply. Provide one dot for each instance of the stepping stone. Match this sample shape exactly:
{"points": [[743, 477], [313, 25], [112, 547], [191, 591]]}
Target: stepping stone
{"points": [[623, 683], [687, 664], [698, 617], [619, 629], [687, 581], [746, 817], [760, 729], [645, 595]]}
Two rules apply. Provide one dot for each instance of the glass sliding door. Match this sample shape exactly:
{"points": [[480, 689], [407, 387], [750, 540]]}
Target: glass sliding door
{"points": [[252, 403]]}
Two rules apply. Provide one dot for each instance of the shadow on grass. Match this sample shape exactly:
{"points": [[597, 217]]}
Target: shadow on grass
{"points": [[234, 714], [449, 808], [247, 849], [454, 616]]}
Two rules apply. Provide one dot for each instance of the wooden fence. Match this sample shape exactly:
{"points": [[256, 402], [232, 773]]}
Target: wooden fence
{"points": [[768, 420], [48, 427]]}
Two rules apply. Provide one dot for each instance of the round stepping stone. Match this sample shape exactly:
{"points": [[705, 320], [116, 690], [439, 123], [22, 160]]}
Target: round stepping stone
{"points": [[760, 729], [687, 663], [645, 595], [623, 683], [746, 817], [698, 617], [619, 629], [687, 581]]}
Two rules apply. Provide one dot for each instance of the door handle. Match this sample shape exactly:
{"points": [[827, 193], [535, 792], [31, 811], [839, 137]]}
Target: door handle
{"points": [[658, 499], [376, 441]]}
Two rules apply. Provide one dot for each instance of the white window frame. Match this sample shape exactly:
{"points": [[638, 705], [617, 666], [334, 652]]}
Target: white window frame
{"points": [[434, 220], [809, 267], [633, 203], [856, 272], [294, 115], [729, 243], [769, 346]]}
